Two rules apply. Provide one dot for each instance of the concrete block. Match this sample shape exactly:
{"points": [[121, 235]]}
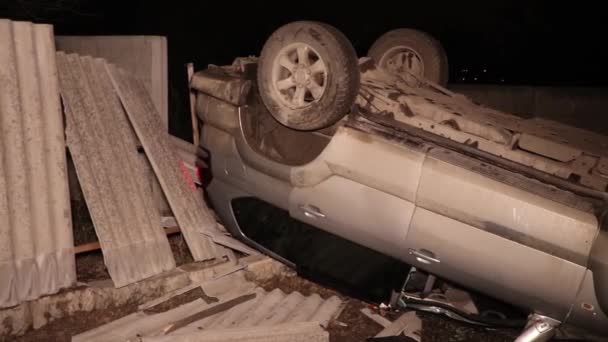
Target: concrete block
{"points": [[15, 321], [266, 268], [101, 295]]}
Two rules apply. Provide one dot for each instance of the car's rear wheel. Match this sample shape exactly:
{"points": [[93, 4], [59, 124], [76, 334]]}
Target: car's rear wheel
{"points": [[308, 75], [412, 51]]}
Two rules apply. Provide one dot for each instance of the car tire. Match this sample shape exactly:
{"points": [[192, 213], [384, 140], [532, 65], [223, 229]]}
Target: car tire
{"points": [[417, 51], [308, 75]]}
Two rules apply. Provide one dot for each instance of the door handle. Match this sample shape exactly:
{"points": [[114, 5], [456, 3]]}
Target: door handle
{"points": [[311, 211], [424, 256]]}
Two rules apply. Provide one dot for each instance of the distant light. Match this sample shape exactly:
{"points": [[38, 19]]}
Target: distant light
{"points": [[502, 80], [464, 78], [485, 70], [475, 79]]}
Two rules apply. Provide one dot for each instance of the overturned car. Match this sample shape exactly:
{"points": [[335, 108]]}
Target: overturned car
{"points": [[381, 154]]}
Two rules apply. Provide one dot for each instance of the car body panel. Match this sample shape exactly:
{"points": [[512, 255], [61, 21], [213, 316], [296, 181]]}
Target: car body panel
{"points": [[494, 265], [356, 212], [560, 150], [587, 310], [450, 186], [367, 159]]}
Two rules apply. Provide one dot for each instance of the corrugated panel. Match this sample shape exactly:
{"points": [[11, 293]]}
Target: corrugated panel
{"points": [[143, 56], [286, 332], [110, 172], [194, 218], [267, 309], [36, 244], [272, 308], [129, 327]]}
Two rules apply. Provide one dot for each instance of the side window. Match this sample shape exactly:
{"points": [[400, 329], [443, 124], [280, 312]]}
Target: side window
{"points": [[320, 255]]}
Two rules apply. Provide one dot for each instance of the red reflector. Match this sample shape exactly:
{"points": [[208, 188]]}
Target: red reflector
{"points": [[199, 175]]}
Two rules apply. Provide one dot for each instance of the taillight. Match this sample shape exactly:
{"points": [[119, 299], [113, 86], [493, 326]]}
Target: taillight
{"points": [[199, 175]]}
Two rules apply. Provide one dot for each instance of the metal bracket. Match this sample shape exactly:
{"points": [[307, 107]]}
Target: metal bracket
{"points": [[539, 329]]}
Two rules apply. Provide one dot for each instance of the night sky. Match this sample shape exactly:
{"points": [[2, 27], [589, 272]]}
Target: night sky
{"points": [[531, 42], [528, 42]]}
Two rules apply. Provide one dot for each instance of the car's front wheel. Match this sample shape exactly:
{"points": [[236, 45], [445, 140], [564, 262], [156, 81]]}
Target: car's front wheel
{"points": [[308, 75]]}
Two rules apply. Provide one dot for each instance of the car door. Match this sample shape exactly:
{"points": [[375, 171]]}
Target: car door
{"points": [[362, 188], [496, 232]]}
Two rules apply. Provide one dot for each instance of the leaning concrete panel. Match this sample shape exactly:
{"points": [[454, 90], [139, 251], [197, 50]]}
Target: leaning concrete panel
{"points": [[196, 221], [103, 147], [36, 245], [143, 56]]}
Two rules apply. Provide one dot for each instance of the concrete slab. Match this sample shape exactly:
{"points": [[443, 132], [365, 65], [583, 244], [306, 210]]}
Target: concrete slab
{"points": [[36, 244]]}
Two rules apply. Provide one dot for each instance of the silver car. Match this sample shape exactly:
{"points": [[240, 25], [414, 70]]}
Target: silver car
{"points": [[384, 156]]}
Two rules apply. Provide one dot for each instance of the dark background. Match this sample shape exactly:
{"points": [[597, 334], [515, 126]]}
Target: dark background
{"points": [[528, 42]]}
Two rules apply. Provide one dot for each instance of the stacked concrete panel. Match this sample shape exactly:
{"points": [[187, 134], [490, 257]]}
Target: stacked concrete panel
{"points": [[36, 244], [104, 149]]}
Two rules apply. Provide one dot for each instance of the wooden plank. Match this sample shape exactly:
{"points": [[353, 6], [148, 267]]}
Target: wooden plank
{"points": [[194, 118], [194, 218], [375, 317], [93, 246]]}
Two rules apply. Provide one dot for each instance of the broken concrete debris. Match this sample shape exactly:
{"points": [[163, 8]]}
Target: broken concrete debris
{"points": [[289, 332], [190, 287], [241, 312], [101, 295], [381, 320], [109, 115], [408, 324]]}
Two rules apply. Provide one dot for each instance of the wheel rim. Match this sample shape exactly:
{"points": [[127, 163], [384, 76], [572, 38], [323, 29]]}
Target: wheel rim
{"points": [[299, 75], [400, 59]]}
